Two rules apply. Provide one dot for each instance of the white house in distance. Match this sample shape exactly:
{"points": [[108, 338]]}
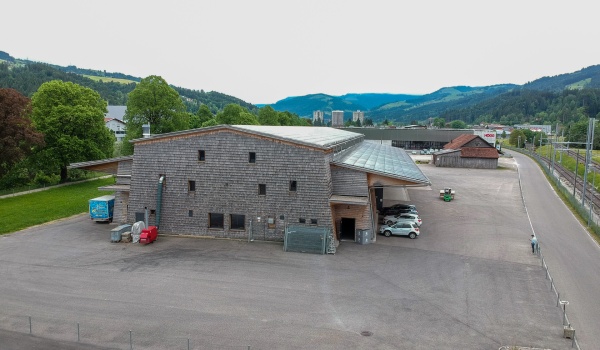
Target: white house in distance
{"points": [[114, 121]]}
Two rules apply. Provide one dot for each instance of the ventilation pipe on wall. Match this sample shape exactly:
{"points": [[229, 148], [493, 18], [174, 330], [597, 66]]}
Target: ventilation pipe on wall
{"points": [[159, 199]]}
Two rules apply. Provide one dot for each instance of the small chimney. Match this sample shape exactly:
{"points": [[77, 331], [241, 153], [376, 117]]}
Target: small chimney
{"points": [[146, 130]]}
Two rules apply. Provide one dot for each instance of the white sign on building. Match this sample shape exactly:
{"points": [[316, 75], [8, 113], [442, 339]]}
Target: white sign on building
{"points": [[488, 135]]}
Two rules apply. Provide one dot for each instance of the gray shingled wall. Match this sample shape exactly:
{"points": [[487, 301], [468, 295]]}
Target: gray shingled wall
{"points": [[227, 183], [348, 182]]}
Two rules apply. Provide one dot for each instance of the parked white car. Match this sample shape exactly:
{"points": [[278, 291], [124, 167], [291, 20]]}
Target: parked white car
{"points": [[405, 228], [392, 219]]}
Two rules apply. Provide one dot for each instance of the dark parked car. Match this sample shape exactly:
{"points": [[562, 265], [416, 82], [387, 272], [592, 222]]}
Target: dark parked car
{"points": [[400, 209]]}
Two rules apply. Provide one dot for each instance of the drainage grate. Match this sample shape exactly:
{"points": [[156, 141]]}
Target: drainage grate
{"points": [[366, 333]]}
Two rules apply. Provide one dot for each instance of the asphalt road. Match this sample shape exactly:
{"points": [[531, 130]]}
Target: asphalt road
{"points": [[572, 256], [468, 282]]}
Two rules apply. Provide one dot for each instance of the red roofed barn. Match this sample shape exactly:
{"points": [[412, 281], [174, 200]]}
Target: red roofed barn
{"points": [[467, 151]]}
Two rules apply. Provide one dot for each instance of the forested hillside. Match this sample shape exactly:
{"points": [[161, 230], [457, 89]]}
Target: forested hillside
{"points": [[305, 105], [524, 106], [27, 76]]}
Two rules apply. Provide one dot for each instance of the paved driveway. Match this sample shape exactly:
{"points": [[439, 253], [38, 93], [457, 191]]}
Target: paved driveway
{"points": [[468, 282]]}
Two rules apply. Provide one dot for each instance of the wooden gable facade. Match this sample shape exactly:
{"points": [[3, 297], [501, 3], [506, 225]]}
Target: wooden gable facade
{"points": [[467, 151]]}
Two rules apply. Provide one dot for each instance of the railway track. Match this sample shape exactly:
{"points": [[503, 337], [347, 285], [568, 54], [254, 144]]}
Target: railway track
{"points": [[576, 181]]}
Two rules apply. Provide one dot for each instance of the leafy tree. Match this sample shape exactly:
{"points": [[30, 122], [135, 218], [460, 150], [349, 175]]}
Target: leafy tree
{"points": [[268, 116], [234, 114], [17, 135], [153, 101], [71, 117], [458, 124], [210, 122], [439, 122], [517, 138], [203, 115], [368, 122]]}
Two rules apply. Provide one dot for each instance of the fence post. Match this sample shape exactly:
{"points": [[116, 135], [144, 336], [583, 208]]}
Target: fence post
{"points": [[130, 341], [78, 332], [573, 340], [29, 324]]}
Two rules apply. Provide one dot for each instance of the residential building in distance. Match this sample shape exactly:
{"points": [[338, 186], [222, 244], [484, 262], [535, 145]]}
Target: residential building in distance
{"points": [[337, 119], [318, 115], [117, 126], [358, 115]]}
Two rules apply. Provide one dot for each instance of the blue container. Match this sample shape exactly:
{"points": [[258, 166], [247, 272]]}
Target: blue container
{"points": [[102, 208]]}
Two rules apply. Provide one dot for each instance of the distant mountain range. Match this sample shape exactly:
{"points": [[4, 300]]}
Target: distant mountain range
{"points": [[408, 108], [26, 76]]}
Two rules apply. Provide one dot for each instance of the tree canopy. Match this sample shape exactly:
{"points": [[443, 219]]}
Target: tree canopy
{"points": [[153, 101], [17, 135], [71, 117]]}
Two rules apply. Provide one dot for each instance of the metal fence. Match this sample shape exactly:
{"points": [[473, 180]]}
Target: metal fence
{"points": [[109, 336], [568, 329]]}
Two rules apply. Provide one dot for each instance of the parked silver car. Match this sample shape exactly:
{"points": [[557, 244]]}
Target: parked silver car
{"points": [[391, 219], [404, 228]]}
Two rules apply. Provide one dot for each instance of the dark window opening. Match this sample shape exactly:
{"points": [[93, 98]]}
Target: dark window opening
{"points": [[191, 213], [302, 220], [252, 157], [282, 217], [152, 211], [215, 220], [201, 155], [313, 221], [191, 186], [238, 222], [262, 189], [293, 186]]}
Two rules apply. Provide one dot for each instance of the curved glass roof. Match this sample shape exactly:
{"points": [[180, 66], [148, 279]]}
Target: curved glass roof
{"points": [[381, 159]]}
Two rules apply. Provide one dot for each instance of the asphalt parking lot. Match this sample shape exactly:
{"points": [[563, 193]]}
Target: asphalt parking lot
{"points": [[468, 282]]}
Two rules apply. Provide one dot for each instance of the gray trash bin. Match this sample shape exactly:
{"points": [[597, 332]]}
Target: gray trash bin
{"points": [[363, 236]]}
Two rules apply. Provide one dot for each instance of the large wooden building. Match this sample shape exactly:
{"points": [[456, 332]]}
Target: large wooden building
{"points": [[252, 181]]}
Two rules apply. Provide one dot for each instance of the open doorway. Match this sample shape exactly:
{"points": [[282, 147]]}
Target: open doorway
{"points": [[347, 229]]}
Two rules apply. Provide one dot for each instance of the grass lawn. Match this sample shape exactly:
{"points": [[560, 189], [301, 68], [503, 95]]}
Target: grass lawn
{"points": [[109, 79], [17, 213]]}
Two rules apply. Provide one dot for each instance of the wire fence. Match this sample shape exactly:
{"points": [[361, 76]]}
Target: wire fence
{"points": [[112, 335]]}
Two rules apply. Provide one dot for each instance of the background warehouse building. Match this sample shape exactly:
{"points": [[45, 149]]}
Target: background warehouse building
{"points": [[252, 181]]}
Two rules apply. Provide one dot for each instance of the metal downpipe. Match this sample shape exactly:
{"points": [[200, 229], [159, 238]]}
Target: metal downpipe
{"points": [[159, 199]]}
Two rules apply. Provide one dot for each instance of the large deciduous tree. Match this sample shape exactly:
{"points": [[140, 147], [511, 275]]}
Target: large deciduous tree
{"points": [[153, 101], [17, 135], [234, 114], [71, 117]]}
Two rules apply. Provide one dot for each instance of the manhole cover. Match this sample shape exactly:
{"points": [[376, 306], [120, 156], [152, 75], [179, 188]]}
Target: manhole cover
{"points": [[366, 333]]}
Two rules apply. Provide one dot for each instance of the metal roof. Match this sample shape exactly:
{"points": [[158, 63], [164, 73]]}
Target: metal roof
{"points": [[320, 137], [382, 159]]}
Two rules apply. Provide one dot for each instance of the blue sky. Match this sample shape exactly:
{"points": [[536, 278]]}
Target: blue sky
{"points": [[265, 50]]}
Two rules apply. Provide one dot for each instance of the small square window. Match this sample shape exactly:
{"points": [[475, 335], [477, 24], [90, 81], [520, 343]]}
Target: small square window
{"points": [[191, 185], [237, 222], [215, 220], [313, 221], [191, 213], [252, 157], [201, 155], [293, 186], [302, 220], [262, 189]]}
